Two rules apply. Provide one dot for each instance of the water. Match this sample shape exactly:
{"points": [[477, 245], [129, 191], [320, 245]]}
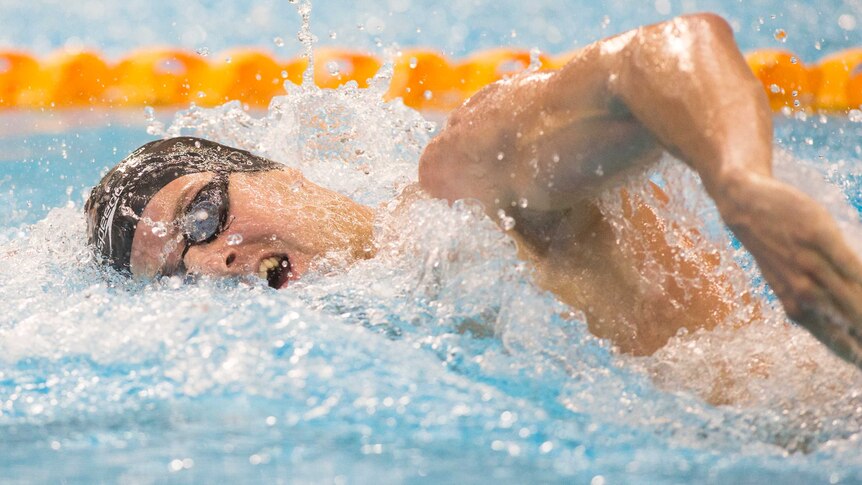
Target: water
{"points": [[438, 360]]}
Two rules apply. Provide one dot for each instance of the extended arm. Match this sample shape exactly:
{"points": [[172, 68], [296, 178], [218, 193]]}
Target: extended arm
{"points": [[558, 139]]}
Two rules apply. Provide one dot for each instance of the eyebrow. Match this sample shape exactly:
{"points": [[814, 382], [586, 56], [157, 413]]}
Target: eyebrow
{"points": [[180, 207]]}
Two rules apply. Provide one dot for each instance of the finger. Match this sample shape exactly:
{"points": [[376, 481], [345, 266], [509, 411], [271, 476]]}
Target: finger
{"points": [[830, 240], [832, 330]]}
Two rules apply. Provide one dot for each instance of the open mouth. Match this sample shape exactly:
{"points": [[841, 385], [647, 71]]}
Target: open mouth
{"points": [[275, 270]]}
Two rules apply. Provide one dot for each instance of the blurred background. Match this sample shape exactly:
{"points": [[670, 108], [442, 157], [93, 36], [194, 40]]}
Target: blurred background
{"points": [[457, 27]]}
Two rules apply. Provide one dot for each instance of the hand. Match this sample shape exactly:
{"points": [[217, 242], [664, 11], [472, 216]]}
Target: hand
{"points": [[803, 256]]}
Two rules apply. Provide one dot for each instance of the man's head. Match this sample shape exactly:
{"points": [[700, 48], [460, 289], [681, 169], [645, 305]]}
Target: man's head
{"points": [[188, 204]]}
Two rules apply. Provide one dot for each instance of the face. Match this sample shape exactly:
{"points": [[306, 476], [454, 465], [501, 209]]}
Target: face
{"points": [[273, 225]]}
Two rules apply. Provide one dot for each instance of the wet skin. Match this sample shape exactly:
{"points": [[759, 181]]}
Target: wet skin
{"points": [[271, 214], [682, 86], [565, 137]]}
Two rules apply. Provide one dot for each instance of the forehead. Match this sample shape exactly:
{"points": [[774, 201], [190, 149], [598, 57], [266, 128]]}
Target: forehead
{"points": [[155, 242]]}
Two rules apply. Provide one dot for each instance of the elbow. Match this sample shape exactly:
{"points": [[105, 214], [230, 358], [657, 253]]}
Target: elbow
{"points": [[708, 21], [708, 29]]}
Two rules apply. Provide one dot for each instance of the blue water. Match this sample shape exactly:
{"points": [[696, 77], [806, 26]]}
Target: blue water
{"points": [[437, 361]]}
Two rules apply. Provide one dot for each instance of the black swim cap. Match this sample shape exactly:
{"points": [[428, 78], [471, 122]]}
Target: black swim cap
{"points": [[117, 202]]}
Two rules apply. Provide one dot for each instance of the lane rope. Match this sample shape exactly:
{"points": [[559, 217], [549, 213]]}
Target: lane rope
{"points": [[424, 79]]}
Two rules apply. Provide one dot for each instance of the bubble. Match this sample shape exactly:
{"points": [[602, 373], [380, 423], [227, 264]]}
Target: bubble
{"points": [[203, 51], [234, 239], [278, 41], [774, 88], [780, 35], [413, 62]]}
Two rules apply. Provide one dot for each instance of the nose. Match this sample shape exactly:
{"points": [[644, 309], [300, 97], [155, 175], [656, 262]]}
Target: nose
{"points": [[214, 261]]}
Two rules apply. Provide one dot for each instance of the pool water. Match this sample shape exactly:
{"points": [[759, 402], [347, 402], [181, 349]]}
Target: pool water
{"points": [[439, 360]]}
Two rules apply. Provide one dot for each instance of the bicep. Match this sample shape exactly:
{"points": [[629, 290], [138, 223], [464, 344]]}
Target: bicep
{"points": [[510, 139]]}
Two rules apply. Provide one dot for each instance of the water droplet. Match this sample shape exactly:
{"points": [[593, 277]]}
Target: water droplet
{"points": [[160, 229], [774, 88], [428, 94], [333, 68], [278, 41], [413, 62], [84, 256], [780, 35], [506, 222], [606, 21], [234, 239], [847, 22]]}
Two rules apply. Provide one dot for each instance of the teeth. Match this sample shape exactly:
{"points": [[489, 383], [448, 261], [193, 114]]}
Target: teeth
{"points": [[266, 265]]}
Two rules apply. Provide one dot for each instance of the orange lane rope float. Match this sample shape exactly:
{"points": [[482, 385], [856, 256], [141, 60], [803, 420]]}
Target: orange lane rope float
{"points": [[424, 79]]}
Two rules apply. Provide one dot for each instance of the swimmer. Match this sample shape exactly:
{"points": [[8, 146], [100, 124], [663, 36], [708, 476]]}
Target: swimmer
{"points": [[191, 206]]}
